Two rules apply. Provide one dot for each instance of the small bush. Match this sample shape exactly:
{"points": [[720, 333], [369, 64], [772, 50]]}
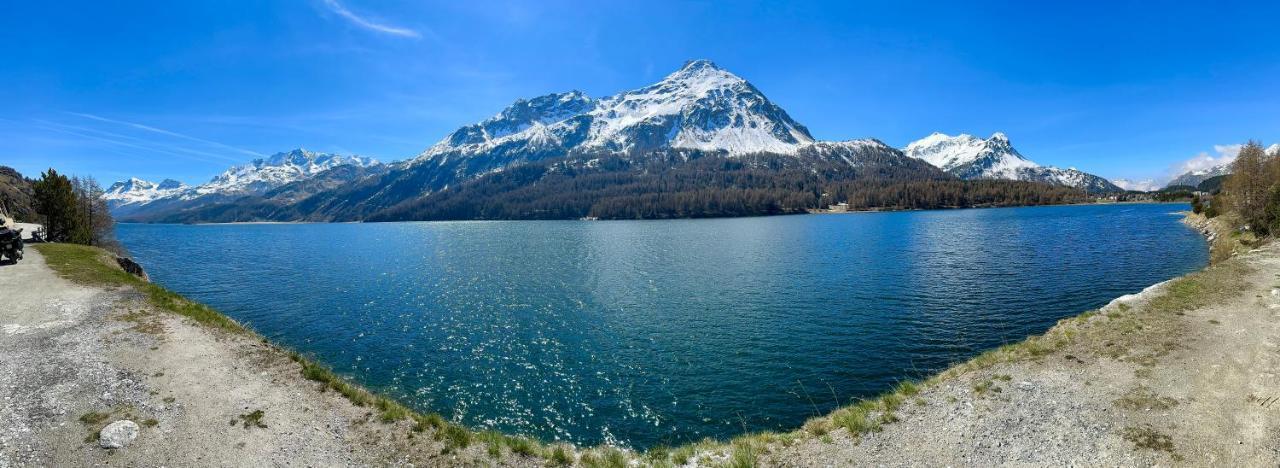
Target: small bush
{"points": [[454, 436], [857, 419], [560, 457], [744, 456], [522, 446]]}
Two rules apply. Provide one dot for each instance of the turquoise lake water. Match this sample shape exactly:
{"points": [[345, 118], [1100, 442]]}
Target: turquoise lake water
{"points": [[659, 332]]}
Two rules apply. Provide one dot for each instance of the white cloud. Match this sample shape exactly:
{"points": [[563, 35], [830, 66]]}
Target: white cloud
{"points": [[1146, 185], [369, 24], [1221, 155], [1204, 161]]}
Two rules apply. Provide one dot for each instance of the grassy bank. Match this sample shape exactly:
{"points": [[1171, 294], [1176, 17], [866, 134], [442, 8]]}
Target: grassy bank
{"points": [[92, 266], [1120, 332]]}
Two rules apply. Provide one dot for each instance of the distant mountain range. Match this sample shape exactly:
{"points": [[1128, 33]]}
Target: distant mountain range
{"points": [[1145, 185], [700, 116], [1194, 178], [137, 199]]}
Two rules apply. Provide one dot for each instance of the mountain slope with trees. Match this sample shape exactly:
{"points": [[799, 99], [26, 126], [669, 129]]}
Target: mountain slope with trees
{"points": [[700, 142]]}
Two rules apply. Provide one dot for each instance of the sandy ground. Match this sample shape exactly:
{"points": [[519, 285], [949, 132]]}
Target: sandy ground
{"points": [[68, 350]]}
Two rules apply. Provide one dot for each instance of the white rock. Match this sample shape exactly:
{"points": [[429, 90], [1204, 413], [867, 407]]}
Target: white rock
{"points": [[118, 434]]}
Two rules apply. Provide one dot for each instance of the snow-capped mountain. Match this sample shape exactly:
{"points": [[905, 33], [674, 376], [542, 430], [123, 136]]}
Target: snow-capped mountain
{"points": [[136, 196], [1145, 185], [700, 106], [1194, 178], [264, 174], [969, 157], [138, 191]]}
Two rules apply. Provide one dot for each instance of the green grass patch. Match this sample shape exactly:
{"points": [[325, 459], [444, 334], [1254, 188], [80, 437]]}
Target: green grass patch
{"points": [[454, 436], [745, 455], [858, 419], [94, 417], [1143, 398], [251, 420], [523, 446], [1146, 437], [560, 457]]}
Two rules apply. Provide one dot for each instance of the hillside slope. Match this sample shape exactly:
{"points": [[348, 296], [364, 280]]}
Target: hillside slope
{"points": [[17, 197]]}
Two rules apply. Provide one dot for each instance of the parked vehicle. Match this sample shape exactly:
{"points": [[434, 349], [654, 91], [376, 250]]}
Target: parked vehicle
{"points": [[11, 244]]}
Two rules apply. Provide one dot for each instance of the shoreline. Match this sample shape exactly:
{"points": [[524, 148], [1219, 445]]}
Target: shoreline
{"points": [[815, 211], [846, 427]]}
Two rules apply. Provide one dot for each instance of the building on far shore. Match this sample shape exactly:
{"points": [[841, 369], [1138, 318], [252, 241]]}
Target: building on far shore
{"points": [[841, 207]]}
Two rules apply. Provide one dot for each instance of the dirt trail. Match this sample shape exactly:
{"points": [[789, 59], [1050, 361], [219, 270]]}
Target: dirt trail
{"points": [[73, 359]]}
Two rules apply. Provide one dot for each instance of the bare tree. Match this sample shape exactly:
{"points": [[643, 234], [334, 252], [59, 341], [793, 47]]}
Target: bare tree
{"points": [[1248, 184], [95, 225]]}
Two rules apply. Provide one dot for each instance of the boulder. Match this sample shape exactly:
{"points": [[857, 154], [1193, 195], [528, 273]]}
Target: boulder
{"points": [[118, 434], [129, 266]]}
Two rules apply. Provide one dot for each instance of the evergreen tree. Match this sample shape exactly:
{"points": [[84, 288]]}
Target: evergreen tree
{"points": [[56, 201]]}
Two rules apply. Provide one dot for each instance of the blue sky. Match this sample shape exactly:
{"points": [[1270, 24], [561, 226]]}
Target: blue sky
{"points": [[184, 89]]}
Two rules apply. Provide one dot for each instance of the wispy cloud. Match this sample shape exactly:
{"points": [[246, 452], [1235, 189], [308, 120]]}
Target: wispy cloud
{"points": [[166, 133], [369, 24], [126, 141]]}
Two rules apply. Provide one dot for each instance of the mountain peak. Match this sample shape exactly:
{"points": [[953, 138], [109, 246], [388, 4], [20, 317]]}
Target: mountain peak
{"points": [[702, 70], [698, 64], [135, 190], [966, 152], [700, 106], [168, 184], [969, 157]]}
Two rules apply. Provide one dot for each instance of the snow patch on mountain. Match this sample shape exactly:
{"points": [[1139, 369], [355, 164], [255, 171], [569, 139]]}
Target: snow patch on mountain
{"points": [[701, 106]]}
